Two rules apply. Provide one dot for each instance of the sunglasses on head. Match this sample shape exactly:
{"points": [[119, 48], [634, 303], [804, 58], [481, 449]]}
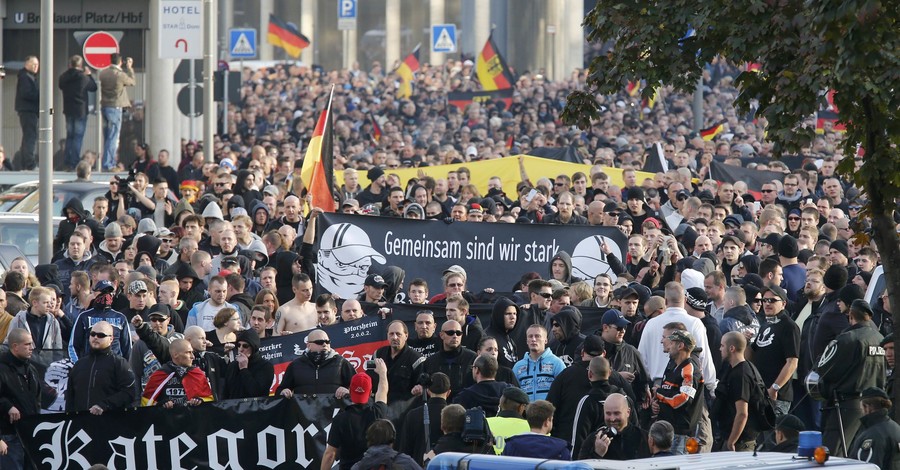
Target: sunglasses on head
{"points": [[320, 342], [453, 332], [96, 334]]}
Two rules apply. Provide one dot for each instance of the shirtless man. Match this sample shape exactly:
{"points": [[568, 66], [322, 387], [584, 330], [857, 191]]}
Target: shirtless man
{"points": [[298, 314]]}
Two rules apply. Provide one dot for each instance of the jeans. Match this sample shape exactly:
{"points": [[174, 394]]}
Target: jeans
{"points": [[15, 457], [74, 137], [29, 123], [112, 125], [678, 444]]}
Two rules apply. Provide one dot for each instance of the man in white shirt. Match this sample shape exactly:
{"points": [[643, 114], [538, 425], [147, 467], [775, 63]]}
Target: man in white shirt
{"points": [[651, 349]]}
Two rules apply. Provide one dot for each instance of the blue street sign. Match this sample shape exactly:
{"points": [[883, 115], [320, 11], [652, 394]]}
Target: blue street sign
{"points": [[242, 43], [347, 9], [443, 38]]}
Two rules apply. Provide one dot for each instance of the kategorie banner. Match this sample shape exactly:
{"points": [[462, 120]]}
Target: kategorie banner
{"points": [[274, 433], [493, 255]]}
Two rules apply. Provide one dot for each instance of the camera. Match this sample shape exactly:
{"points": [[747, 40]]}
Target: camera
{"points": [[370, 364], [424, 381], [607, 431], [123, 188]]}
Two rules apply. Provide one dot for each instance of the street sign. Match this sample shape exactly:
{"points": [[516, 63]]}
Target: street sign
{"points": [[242, 43], [347, 13], [180, 24], [183, 71], [443, 38], [97, 49], [184, 100]]}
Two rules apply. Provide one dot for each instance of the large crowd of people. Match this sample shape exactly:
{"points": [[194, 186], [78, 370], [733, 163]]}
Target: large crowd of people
{"points": [[723, 303]]}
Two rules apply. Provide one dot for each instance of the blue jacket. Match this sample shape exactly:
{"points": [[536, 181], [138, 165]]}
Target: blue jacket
{"points": [[535, 377], [79, 344], [537, 446]]}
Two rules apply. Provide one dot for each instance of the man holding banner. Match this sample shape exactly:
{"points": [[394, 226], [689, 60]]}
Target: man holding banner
{"points": [[348, 430], [20, 394], [319, 370]]}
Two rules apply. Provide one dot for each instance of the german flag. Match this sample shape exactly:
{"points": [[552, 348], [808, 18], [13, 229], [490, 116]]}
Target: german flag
{"points": [[376, 129], [752, 67], [318, 164], [648, 103], [827, 116], [710, 133], [510, 142], [286, 36], [492, 70], [633, 88], [407, 71]]}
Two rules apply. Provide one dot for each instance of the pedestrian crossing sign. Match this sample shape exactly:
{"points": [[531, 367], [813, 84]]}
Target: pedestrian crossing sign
{"points": [[443, 38], [242, 43]]}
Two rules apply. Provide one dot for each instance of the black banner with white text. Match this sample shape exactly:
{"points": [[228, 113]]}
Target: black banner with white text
{"points": [[494, 255], [275, 433]]}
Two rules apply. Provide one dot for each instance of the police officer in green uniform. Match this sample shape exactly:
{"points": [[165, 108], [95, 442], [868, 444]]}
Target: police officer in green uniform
{"points": [[878, 439], [852, 362]]}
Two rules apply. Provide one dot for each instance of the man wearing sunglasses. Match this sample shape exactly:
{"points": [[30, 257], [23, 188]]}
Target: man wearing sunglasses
{"points": [[100, 381], [319, 370], [248, 375], [158, 332], [452, 359], [776, 350]]}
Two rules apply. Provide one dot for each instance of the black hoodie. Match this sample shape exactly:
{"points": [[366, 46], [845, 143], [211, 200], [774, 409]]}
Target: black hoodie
{"points": [[394, 277], [67, 226], [565, 258], [485, 394], [568, 347], [256, 379], [505, 338], [192, 296], [254, 208]]}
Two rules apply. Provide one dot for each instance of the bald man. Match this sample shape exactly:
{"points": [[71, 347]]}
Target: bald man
{"points": [[292, 216], [178, 382], [351, 310], [630, 441], [100, 381], [453, 359], [318, 370], [20, 394]]}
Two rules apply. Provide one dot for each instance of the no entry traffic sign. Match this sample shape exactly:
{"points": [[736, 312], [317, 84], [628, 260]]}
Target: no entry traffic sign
{"points": [[97, 49]]}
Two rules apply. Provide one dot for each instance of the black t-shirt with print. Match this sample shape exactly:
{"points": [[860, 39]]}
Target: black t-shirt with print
{"points": [[778, 340]]}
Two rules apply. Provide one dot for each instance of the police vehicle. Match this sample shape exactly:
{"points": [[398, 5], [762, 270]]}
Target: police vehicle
{"points": [[716, 460]]}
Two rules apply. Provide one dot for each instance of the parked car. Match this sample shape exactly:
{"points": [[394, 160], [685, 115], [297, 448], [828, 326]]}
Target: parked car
{"points": [[13, 195], [22, 231], [8, 253], [63, 192]]}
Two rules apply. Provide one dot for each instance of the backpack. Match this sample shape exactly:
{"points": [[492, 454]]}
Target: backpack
{"points": [[762, 406], [476, 430]]}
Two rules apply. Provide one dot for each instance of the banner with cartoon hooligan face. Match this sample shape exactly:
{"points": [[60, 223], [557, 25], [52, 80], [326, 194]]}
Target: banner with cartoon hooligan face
{"points": [[494, 255]]}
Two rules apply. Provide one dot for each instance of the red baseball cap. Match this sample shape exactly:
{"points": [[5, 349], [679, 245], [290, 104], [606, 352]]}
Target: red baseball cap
{"points": [[360, 388]]}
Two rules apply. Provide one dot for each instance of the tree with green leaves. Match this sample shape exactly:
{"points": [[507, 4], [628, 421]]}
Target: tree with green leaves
{"points": [[805, 48]]}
